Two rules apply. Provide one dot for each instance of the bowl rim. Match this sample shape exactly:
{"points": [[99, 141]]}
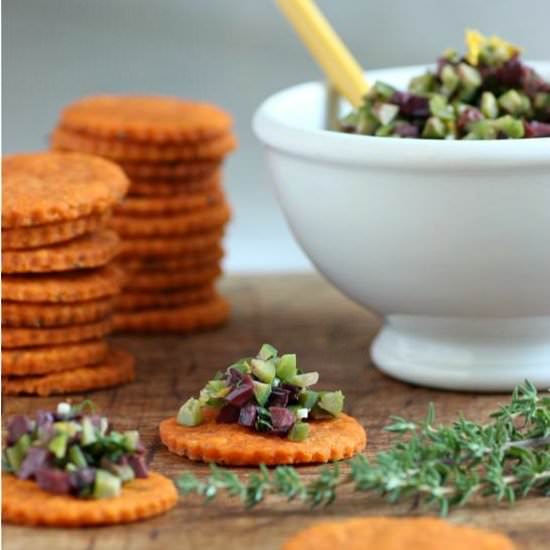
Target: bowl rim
{"points": [[285, 135]]}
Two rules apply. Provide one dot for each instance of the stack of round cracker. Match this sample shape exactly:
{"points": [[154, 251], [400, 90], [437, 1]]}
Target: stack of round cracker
{"points": [[173, 219], [59, 284]]}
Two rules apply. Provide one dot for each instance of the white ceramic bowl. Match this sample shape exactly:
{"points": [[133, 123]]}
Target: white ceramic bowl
{"points": [[448, 240]]}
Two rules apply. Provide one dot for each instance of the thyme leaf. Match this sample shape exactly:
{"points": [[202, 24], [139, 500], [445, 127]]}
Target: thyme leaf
{"points": [[433, 465]]}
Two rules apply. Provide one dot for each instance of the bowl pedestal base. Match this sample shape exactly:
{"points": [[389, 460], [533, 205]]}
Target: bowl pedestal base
{"points": [[480, 355]]}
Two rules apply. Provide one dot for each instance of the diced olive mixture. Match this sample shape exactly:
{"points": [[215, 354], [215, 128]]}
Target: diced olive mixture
{"points": [[267, 393], [487, 94], [72, 452]]}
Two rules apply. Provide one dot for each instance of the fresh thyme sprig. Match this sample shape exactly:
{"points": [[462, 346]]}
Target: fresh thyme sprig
{"points": [[433, 465]]}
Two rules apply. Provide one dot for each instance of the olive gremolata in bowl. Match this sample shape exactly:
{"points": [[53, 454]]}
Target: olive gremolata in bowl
{"points": [[449, 240]]}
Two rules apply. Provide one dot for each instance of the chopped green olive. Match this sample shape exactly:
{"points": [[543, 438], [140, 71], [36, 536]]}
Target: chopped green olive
{"points": [[88, 435], [287, 367], [122, 471], [434, 128], [299, 432], [332, 402], [510, 126], [450, 80], [106, 484], [367, 123], [216, 388], [385, 131], [469, 76], [125, 473], [305, 380], [264, 370], [511, 102], [385, 112], [308, 398], [489, 105], [423, 84], [68, 427], [383, 90], [440, 108], [58, 445], [261, 392], [76, 456], [130, 440], [241, 366], [23, 443], [190, 413], [267, 351], [15, 456], [213, 393], [484, 129]]}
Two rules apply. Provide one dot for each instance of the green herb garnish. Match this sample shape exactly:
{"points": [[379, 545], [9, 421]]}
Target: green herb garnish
{"points": [[442, 466]]}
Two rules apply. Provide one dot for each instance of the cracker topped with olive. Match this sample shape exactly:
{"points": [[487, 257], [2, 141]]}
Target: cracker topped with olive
{"points": [[264, 410]]}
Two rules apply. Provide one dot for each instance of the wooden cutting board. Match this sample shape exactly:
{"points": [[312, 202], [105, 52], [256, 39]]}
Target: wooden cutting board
{"points": [[300, 314]]}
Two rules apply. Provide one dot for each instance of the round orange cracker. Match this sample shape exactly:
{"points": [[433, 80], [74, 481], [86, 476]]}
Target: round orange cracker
{"points": [[49, 233], [139, 300], [140, 206], [235, 445], [153, 280], [117, 368], [170, 246], [174, 170], [24, 503], [92, 250], [149, 119], [46, 359], [41, 188], [214, 148], [207, 257], [384, 533], [31, 337], [65, 287], [183, 223], [172, 188], [29, 314], [182, 320]]}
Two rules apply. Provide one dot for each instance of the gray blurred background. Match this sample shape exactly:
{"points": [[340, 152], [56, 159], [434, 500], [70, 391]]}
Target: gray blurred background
{"points": [[232, 52]]}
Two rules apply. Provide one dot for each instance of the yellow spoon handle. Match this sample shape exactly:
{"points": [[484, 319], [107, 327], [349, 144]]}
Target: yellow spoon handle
{"points": [[340, 67]]}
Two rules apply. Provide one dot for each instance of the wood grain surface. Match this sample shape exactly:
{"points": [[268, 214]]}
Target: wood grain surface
{"points": [[300, 314]]}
